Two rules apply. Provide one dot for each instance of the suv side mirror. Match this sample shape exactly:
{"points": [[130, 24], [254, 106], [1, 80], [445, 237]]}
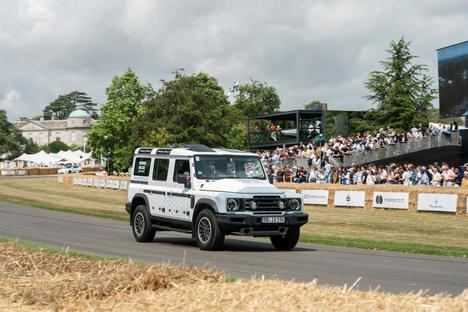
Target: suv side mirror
{"points": [[184, 179]]}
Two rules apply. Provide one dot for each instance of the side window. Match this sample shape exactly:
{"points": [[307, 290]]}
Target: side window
{"points": [[181, 167], [161, 167], [142, 166]]}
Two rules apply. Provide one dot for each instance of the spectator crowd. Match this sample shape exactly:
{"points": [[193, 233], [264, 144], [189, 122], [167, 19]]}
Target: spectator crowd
{"points": [[406, 174], [281, 162]]}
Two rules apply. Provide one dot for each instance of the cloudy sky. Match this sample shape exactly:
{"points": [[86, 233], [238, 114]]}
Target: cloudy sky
{"points": [[307, 49]]}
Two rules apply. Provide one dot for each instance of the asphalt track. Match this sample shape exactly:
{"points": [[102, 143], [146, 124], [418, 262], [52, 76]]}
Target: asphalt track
{"points": [[242, 257]]}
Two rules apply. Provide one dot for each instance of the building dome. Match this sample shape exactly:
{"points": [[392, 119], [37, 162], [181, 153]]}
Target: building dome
{"points": [[79, 113]]}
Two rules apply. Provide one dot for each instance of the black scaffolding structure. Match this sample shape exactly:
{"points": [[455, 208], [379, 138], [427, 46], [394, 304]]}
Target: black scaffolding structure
{"points": [[269, 131]]}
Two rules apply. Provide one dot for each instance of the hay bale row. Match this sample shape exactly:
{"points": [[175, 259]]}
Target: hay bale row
{"points": [[40, 281]]}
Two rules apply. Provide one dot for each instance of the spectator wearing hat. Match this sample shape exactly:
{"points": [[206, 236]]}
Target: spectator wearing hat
{"points": [[464, 182]]}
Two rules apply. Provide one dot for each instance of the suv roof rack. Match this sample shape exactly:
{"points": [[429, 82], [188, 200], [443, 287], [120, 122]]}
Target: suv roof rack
{"points": [[199, 148]]}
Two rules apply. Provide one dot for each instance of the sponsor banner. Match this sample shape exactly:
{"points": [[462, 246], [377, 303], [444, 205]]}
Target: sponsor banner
{"points": [[102, 183], [315, 197], [109, 183], [90, 182], [79, 181], [288, 191], [437, 202], [395, 200], [60, 179], [8, 172], [350, 198], [96, 182], [75, 181], [21, 172], [123, 185]]}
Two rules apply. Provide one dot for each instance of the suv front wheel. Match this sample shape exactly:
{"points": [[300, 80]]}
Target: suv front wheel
{"points": [[208, 234], [288, 241], [141, 225]]}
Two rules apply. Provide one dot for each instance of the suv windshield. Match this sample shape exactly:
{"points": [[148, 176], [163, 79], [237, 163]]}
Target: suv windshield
{"points": [[228, 167]]}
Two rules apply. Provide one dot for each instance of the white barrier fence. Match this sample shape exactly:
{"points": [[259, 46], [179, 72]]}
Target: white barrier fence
{"points": [[98, 182], [390, 200]]}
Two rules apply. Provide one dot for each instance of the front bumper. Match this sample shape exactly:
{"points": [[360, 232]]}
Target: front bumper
{"points": [[250, 225]]}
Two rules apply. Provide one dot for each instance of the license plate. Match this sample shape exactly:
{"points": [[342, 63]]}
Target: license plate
{"points": [[273, 219]]}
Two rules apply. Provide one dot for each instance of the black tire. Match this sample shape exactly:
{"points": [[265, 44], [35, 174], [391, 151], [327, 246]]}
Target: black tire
{"points": [[208, 234], [141, 225], [288, 241]]}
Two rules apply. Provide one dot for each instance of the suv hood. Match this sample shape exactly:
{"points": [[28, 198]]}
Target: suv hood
{"points": [[240, 186]]}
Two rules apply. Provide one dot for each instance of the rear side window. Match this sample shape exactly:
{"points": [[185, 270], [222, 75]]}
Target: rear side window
{"points": [[161, 167], [142, 166]]}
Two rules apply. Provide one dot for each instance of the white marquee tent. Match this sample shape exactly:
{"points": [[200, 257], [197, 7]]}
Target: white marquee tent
{"points": [[43, 158]]}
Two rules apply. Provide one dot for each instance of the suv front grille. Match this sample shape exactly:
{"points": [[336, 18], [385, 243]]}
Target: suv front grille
{"points": [[264, 203]]}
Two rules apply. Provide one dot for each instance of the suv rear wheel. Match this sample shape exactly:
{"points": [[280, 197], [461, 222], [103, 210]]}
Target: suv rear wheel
{"points": [[208, 234], [288, 241], [141, 225]]}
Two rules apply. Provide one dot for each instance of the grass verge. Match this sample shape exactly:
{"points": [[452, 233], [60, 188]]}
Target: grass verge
{"points": [[389, 230], [384, 246], [32, 246], [85, 212]]}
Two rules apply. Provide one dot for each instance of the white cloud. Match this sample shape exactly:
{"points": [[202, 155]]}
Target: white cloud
{"points": [[12, 103], [307, 49]]}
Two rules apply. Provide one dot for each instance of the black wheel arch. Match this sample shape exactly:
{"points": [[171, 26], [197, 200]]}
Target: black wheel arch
{"points": [[204, 203], [139, 199]]}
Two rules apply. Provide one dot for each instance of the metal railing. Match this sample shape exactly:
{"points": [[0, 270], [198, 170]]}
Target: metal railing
{"points": [[398, 149]]}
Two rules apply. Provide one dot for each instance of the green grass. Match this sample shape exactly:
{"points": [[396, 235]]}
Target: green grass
{"points": [[385, 246], [54, 207], [53, 250], [375, 229]]}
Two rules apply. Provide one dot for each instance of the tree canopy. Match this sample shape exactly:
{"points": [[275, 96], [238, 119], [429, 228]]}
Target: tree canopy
{"points": [[56, 147], [255, 98], [187, 109], [113, 131], [402, 91], [12, 143], [63, 105], [313, 104]]}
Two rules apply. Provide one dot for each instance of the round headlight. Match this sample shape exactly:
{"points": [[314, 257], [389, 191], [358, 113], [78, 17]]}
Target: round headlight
{"points": [[281, 204], [253, 205], [295, 204], [232, 204]]}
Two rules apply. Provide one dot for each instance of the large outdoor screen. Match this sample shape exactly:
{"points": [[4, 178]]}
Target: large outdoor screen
{"points": [[453, 79]]}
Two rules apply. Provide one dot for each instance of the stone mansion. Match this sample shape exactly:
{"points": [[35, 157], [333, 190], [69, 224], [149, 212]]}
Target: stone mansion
{"points": [[73, 130]]}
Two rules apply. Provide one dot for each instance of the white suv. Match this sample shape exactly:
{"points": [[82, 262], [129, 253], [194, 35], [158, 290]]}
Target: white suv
{"points": [[209, 193]]}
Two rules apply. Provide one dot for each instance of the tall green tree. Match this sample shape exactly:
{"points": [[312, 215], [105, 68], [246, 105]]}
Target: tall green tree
{"points": [[313, 104], [12, 143], [255, 98], [61, 107], [55, 147], [112, 133], [402, 91], [187, 109]]}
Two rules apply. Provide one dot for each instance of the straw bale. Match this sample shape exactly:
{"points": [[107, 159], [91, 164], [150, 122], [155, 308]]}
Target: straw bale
{"points": [[40, 281]]}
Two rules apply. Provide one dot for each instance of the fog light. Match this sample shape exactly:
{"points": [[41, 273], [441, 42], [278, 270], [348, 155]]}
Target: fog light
{"points": [[253, 205], [281, 204]]}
